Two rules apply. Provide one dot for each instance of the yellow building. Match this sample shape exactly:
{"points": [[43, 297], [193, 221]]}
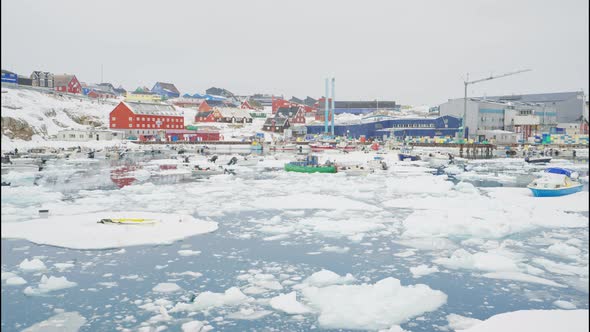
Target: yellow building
{"points": [[142, 97]]}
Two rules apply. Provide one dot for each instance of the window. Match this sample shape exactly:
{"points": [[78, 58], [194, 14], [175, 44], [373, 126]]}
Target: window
{"points": [[81, 136], [114, 125], [72, 135], [130, 118], [143, 125], [142, 119], [113, 118], [130, 125]]}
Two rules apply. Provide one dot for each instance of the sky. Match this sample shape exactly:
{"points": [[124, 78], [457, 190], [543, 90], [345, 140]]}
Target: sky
{"points": [[414, 52]]}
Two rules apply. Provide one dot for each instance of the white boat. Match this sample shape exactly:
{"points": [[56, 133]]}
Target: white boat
{"points": [[554, 182]]}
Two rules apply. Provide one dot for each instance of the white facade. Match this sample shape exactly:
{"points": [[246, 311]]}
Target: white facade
{"points": [[85, 135], [499, 136]]}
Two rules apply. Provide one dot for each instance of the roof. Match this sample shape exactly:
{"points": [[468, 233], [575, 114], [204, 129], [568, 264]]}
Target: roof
{"points": [[168, 86], [277, 121], [362, 104], [309, 101], [61, 80], [284, 111], [4, 71], [204, 114], [152, 109], [296, 100], [228, 112], [538, 97]]}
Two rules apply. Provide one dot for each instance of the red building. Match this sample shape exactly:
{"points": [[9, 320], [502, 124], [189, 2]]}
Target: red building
{"points": [[295, 114], [192, 135], [144, 119], [100, 94], [204, 107], [208, 116], [67, 83], [282, 103]]}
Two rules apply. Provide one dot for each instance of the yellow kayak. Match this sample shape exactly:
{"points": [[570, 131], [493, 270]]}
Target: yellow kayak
{"points": [[128, 221]]}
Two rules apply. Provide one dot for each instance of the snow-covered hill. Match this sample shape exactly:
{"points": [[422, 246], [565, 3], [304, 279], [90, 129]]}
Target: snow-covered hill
{"points": [[32, 115]]}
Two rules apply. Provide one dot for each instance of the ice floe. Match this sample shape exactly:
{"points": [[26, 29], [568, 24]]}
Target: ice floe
{"points": [[62, 322], [422, 270], [166, 287], [50, 284], [535, 320], [84, 231], [207, 300], [32, 265], [458, 322], [288, 303]]}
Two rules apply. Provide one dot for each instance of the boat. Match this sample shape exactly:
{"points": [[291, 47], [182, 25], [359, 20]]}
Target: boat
{"points": [[208, 171], [556, 181], [310, 165], [318, 147], [128, 221], [407, 154], [537, 160], [356, 170]]}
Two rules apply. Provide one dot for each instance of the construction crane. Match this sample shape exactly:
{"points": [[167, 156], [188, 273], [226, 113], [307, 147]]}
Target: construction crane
{"points": [[467, 82]]}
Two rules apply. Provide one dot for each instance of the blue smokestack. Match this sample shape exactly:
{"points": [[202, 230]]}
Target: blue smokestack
{"points": [[333, 102], [326, 109]]}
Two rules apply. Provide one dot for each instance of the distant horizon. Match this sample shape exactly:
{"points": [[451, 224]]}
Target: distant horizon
{"points": [[414, 53]]}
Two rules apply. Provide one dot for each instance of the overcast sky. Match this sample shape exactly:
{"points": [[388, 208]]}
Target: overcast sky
{"points": [[413, 52]]}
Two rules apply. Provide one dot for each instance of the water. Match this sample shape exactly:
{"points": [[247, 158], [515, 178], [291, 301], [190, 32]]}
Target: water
{"points": [[242, 244]]}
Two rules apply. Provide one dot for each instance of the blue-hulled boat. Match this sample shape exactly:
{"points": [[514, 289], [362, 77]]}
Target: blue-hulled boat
{"points": [[556, 181], [406, 153]]}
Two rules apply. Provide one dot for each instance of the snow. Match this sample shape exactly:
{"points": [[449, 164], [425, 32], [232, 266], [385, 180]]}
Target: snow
{"points": [[422, 270], [85, 233], [563, 250], [249, 314], [288, 303], [518, 276], [166, 287], [535, 320], [50, 284], [458, 322], [31, 265], [62, 322], [371, 306], [207, 300], [310, 201], [483, 261], [195, 326]]}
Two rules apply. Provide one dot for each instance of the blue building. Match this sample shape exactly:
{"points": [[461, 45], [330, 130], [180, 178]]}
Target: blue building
{"points": [[395, 127], [9, 77], [167, 90], [359, 107]]}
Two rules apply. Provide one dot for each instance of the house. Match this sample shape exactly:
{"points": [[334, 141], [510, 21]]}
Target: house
{"points": [[120, 91], [84, 135], [247, 105], [142, 96], [276, 125], [219, 92], [233, 115], [67, 83], [9, 77], [310, 102], [42, 79], [100, 94], [204, 106], [167, 90], [207, 116], [282, 103], [186, 102], [145, 118], [294, 113]]}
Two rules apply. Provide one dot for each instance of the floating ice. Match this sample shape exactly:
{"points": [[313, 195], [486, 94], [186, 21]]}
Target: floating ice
{"points": [[63, 266], [288, 303], [535, 320], [483, 261], [50, 284], [196, 326], [15, 281], [310, 201], [563, 250], [208, 300], [422, 270], [62, 322], [31, 265], [367, 306], [83, 231], [518, 276], [564, 304], [458, 322], [189, 252], [326, 277], [249, 314], [166, 287]]}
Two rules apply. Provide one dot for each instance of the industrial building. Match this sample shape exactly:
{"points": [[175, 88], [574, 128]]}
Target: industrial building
{"points": [[484, 115], [145, 119], [395, 127], [85, 135], [357, 107]]}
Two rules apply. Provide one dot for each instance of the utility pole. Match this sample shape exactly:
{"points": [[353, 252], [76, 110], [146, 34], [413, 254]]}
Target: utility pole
{"points": [[466, 83]]}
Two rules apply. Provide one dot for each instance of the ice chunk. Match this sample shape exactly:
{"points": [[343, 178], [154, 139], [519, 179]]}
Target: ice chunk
{"points": [[371, 306], [208, 300], [458, 322], [195, 326], [564, 304], [189, 252], [535, 320], [249, 314], [166, 287], [422, 270], [484, 261], [31, 265], [15, 281], [327, 277], [288, 303], [518, 276], [62, 322], [63, 266], [50, 284], [563, 250]]}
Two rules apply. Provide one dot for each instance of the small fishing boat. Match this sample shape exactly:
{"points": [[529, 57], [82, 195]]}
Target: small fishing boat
{"points": [[128, 221], [556, 181], [310, 165], [537, 160]]}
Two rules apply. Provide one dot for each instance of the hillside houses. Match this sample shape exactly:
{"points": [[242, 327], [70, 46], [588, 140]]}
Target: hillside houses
{"points": [[295, 114], [226, 115], [145, 118], [276, 124], [42, 79]]}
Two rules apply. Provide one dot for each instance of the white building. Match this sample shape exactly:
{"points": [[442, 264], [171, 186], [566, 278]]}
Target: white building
{"points": [[500, 137], [85, 135]]}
